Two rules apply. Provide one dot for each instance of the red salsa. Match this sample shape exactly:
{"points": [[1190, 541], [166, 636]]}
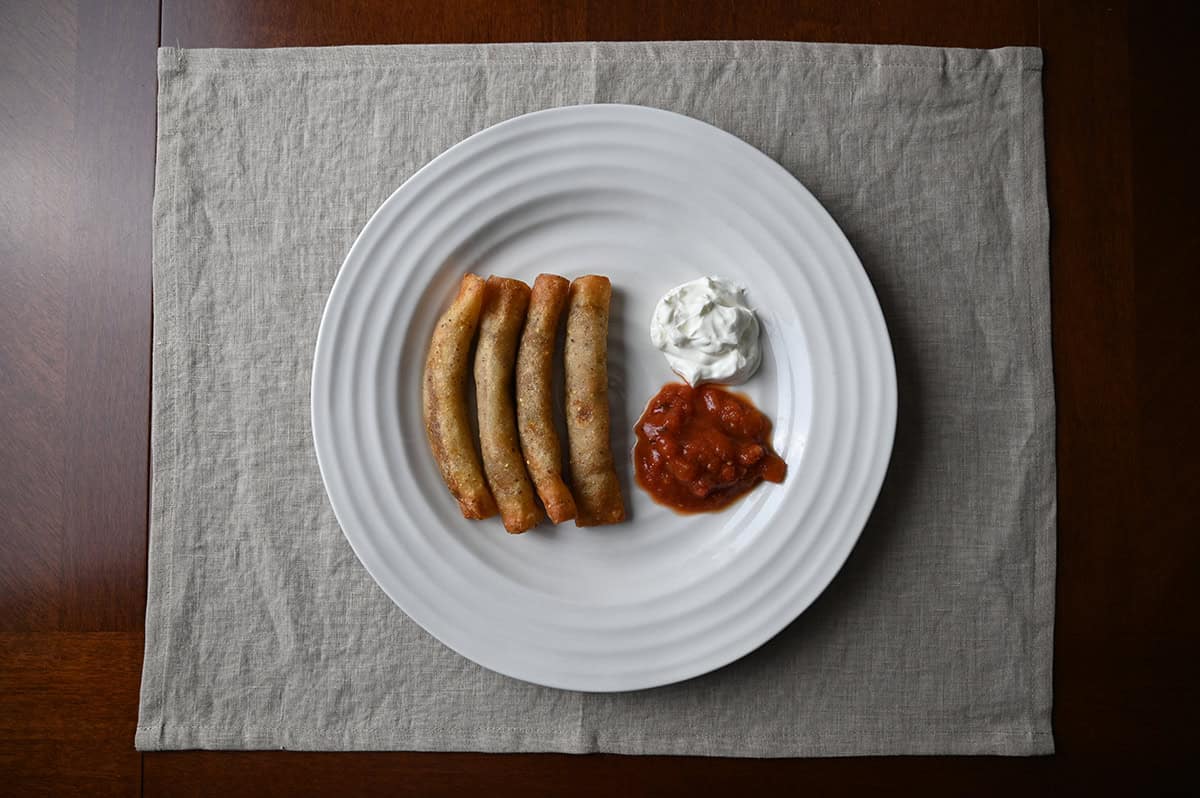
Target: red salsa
{"points": [[699, 449]]}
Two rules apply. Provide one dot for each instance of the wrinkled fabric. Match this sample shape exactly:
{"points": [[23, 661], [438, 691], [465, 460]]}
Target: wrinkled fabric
{"points": [[264, 631]]}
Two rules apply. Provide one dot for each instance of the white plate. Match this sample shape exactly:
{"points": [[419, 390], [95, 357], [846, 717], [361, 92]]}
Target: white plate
{"points": [[651, 199]]}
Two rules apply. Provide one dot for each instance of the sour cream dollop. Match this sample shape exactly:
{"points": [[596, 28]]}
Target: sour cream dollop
{"points": [[707, 331]]}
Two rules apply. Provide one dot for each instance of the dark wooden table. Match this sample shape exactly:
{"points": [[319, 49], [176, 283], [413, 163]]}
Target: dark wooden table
{"points": [[77, 126]]}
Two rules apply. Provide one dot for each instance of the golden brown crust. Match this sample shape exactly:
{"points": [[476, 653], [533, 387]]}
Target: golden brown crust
{"points": [[504, 304], [535, 396], [593, 475], [444, 401]]}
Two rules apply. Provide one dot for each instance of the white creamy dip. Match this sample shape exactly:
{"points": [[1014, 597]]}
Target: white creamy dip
{"points": [[707, 331]]}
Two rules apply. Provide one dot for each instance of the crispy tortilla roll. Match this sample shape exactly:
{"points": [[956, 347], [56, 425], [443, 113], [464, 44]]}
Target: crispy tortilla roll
{"points": [[444, 397], [593, 477], [535, 396], [504, 305]]}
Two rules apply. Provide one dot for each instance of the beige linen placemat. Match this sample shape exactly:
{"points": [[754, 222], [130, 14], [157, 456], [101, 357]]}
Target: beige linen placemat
{"points": [[262, 629]]}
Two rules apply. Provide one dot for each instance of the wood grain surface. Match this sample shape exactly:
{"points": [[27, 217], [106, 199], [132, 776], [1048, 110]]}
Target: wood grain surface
{"points": [[77, 88], [77, 95]]}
